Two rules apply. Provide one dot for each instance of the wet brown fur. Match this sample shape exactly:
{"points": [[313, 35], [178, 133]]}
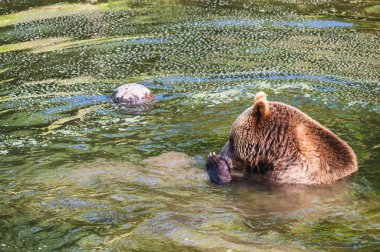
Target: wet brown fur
{"points": [[289, 145]]}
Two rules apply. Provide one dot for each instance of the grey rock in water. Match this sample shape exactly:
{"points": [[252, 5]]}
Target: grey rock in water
{"points": [[133, 95]]}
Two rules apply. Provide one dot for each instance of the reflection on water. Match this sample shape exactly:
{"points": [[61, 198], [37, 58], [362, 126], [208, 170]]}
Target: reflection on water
{"points": [[309, 24], [76, 173], [134, 204], [76, 101]]}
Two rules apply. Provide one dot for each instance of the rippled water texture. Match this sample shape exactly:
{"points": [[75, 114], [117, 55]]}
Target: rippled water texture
{"points": [[77, 173]]}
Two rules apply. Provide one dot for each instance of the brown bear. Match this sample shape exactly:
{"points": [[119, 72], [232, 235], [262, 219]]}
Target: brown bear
{"points": [[284, 145]]}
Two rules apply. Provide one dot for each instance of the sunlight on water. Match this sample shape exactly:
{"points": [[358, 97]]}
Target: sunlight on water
{"points": [[80, 173]]}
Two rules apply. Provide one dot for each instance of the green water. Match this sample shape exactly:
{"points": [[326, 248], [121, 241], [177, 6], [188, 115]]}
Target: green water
{"points": [[77, 174]]}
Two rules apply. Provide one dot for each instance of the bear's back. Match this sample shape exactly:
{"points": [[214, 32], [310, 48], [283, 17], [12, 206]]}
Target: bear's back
{"points": [[305, 151]]}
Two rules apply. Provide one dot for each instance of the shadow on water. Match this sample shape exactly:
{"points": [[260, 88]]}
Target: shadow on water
{"points": [[76, 173]]}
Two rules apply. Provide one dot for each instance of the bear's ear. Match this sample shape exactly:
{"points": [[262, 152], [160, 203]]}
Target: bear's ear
{"points": [[261, 106]]}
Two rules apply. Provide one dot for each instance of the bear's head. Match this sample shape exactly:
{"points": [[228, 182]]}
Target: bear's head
{"points": [[242, 145]]}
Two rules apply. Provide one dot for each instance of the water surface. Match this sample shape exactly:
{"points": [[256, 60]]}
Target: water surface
{"points": [[76, 173]]}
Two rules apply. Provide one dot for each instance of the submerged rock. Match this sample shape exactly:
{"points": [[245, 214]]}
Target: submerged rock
{"points": [[133, 95], [171, 160]]}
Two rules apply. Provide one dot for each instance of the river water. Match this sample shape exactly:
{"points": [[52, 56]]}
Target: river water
{"points": [[77, 173]]}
